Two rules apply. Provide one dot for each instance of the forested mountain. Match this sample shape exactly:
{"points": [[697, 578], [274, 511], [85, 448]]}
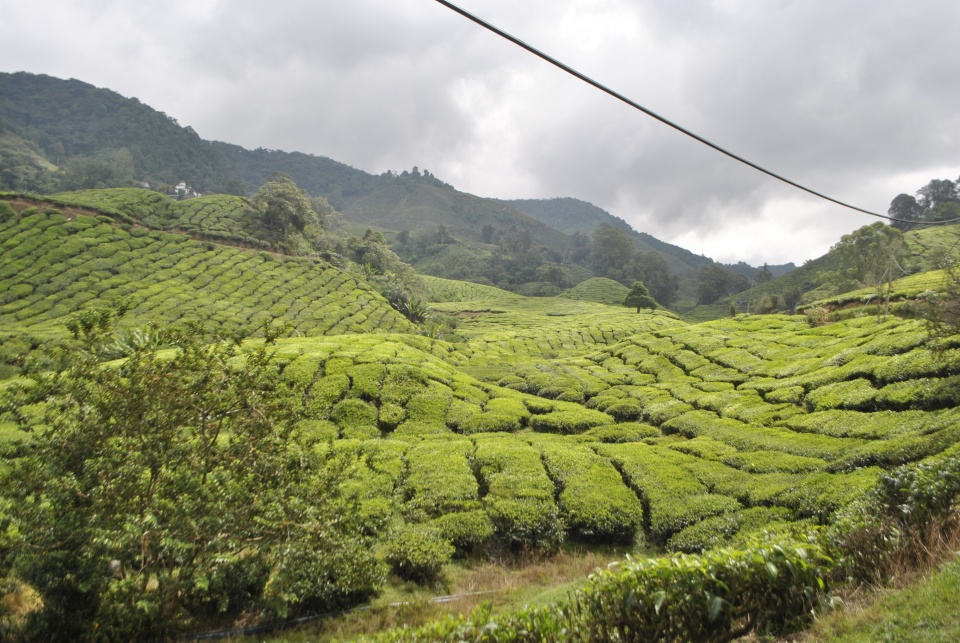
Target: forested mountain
{"points": [[60, 135], [573, 215], [72, 121]]}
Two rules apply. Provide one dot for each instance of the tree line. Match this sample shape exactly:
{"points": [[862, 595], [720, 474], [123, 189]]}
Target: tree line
{"points": [[936, 202]]}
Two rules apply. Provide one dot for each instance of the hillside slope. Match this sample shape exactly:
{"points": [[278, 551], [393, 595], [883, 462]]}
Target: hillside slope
{"points": [[56, 263]]}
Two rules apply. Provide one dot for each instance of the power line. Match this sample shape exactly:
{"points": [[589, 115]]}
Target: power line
{"points": [[573, 72]]}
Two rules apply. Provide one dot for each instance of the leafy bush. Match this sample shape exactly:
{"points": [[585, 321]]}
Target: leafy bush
{"points": [[175, 464], [623, 432], [418, 552], [673, 497], [595, 504], [718, 531], [768, 585], [356, 418], [857, 394], [439, 479], [519, 498], [568, 421], [466, 530], [773, 461]]}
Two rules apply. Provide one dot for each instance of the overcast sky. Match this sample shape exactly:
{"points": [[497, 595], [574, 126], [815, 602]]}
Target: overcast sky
{"points": [[859, 99]]}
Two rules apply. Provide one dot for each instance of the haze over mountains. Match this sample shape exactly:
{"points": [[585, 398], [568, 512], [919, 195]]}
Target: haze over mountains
{"points": [[46, 122]]}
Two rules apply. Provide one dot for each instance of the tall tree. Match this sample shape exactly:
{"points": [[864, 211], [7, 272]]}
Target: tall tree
{"points": [[612, 253], [906, 208], [936, 192], [713, 282], [656, 276], [763, 275], [284, 205], [871, 256]]}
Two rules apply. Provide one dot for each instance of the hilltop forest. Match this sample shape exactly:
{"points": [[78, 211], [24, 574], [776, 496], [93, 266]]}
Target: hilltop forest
{"points": [[254, 403]]}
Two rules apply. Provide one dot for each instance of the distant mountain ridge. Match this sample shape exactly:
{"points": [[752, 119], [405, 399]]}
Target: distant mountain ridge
{"points": [[70, 119]]}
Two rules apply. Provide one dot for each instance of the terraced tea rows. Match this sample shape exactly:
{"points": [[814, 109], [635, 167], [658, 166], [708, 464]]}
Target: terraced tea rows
{"points": [[599, 290], [547, 419], [53, 265], [694, 433], [216, 216]]}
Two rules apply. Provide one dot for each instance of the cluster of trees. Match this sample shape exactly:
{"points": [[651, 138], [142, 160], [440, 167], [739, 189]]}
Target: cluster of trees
{"points": [[305, 224], [715, 281], [518, 261], [936, 202], [612, 254], [869, 257]]}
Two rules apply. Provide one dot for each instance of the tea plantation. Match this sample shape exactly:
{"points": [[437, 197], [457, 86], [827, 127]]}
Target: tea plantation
{"points": [[733, 449], [54, 264]]}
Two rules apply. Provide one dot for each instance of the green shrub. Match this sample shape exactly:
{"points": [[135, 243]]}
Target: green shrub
{"points": [[466, 530], [718, 531], [418, 552], [673, 497], [595, 504], [439, 479], [623, 432], [356, 418], [569, 421], [312, 431], [366, 379], [773, 462], [768, 585], [856, 394], [519, 498]]}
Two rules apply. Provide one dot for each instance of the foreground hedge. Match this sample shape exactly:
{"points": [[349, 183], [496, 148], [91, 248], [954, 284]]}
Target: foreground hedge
{"points": [[767, 586]]}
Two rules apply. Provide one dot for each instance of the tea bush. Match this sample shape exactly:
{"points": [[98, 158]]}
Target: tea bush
{"points": [[595, 504], [519, 494]]}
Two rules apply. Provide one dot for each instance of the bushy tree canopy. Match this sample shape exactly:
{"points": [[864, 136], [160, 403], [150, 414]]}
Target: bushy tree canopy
{"points": [[168, 487], [639, 297], [284, 206], [936, 202]]}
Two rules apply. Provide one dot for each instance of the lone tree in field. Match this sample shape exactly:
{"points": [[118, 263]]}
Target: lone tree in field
{"points": [[284, 205], [639, 297]]}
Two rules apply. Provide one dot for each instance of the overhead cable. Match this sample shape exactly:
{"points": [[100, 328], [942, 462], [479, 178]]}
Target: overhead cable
{"points": [[665, 121]]}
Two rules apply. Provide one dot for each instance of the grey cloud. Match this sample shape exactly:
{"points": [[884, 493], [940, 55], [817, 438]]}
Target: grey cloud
{"points": [[848, 98]]}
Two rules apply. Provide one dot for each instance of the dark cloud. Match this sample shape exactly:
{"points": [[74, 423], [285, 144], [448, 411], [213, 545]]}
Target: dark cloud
{"points": [[856, 99]]}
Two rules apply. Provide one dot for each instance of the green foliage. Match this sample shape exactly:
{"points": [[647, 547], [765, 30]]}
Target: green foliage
{"points": [[623, 432], [519, 494], [284, 206], [569, 421], [595, 504], [174, 465], [768, 586], [720, 530], [639, 297], [673, 497], [418, 552], [439, 480]]}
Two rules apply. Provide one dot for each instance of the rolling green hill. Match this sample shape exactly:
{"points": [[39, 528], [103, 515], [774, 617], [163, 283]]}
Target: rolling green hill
{"points": [[548, 420], [749, 465], [599, 290], [55, 263], [80, 134]]}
